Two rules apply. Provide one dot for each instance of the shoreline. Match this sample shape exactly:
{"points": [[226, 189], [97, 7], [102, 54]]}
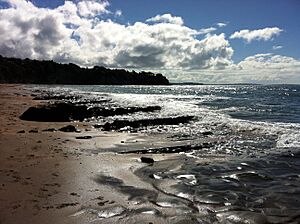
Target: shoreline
{"points": [[125, 175], [52, 177]]}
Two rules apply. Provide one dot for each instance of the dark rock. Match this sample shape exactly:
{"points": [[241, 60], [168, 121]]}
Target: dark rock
{"points": [[57, 112], [118, 124], [33, 131], [206, 133], [22, 131], [49, 130], [171, 149], [69, 128], [147, 160], [64, 112], [83, 137]]}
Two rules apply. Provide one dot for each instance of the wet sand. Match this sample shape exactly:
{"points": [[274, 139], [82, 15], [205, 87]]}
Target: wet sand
{"points": [[52, 177]]}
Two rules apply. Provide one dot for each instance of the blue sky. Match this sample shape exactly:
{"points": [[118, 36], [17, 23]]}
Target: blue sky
{"points": [[281, 47]]}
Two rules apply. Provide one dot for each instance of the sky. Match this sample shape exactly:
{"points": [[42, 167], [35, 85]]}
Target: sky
{"points": [[208, 41]]}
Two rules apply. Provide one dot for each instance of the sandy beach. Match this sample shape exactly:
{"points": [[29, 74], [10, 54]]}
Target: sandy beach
{"points": [[52, 177]]}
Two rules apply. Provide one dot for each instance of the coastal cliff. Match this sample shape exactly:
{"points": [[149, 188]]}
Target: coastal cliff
{"points": [[13, 70]]}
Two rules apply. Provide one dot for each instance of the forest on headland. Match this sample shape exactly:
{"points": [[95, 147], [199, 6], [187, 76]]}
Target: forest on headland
{"points": [[27, 71]]}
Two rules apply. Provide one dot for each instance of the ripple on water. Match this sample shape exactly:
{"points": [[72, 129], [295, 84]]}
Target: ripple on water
{"points": [[240, 190], [105, 213]]}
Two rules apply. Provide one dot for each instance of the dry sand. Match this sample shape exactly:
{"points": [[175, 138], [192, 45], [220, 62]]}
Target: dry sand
{"points": [[51, 177]]}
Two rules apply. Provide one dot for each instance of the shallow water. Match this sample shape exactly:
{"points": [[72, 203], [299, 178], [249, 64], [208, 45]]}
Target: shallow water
{"points": [[252, 173], [266, 188]]}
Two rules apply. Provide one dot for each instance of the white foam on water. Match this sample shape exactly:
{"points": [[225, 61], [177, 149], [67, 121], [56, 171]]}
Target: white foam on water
{"points": [[190, 177], [288, 135], [185, 195], [110, 212], [150, 212], [157, 177]]}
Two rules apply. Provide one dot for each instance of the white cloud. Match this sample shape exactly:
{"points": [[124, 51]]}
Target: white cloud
{"points": [[92, 7], [276, 47], [207, 30], [221, 24], [30, 32], [166, 18], [261, 34], [118, 12]]}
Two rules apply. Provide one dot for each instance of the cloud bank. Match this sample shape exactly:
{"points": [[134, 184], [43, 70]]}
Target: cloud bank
{"points": [[261, 34], [76, 32], [260, 68]]}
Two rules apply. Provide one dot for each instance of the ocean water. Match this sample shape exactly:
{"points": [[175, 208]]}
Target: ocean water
{"points": [[258, 117], [255, 127]]}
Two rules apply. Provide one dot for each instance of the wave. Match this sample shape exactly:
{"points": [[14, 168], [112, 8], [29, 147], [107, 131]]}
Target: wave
{"points": [[204, 104]]}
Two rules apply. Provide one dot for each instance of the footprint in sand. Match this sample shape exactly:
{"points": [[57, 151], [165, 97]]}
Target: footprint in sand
{"points": [[74, 194]]}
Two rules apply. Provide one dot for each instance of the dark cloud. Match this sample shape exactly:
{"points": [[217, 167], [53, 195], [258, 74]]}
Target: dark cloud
{"points": [[142, 56], [48, 35]]}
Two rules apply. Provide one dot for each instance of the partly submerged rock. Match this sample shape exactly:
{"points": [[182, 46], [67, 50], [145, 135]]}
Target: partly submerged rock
{"points": [[171, 149], [55, 112], [66, 111], [118, 124], [84, 137]]}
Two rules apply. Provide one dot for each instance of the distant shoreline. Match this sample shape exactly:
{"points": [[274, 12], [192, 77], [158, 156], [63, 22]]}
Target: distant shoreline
{"points": [[27, 71]]}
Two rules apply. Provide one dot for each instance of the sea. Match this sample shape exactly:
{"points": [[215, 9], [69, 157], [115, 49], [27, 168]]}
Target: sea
{"points": [[256, 130]]}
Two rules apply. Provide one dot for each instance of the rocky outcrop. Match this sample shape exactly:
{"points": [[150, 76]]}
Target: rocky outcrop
{"points": [[67, 111], [14, 70], [118, 124]]}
